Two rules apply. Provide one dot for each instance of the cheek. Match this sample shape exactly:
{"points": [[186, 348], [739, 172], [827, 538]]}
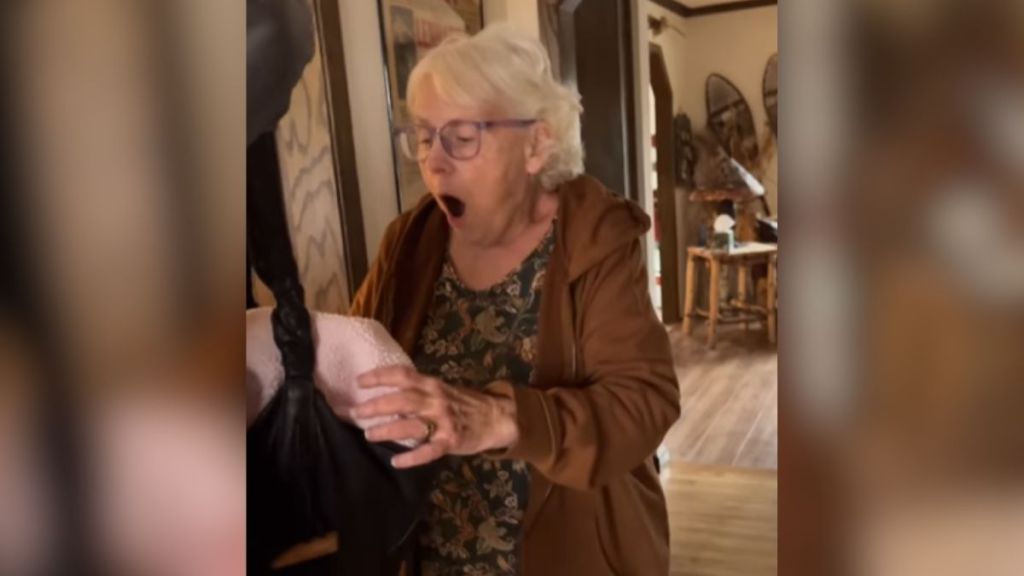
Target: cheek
{"points": [[504, 164], [477, 178]]}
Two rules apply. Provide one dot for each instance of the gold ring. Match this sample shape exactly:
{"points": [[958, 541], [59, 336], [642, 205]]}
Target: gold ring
{"points": [[431, 428]]}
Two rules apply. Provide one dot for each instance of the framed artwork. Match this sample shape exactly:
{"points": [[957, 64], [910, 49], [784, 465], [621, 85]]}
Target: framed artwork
{"points": [[409, 28]]}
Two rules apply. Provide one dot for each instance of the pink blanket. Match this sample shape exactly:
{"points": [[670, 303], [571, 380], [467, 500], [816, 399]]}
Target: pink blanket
{"points": [[345, 348]]}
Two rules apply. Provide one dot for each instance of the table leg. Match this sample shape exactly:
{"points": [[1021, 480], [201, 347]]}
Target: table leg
{"points": [[742, 276], [771, 292], [688, 296], [713, 293]]}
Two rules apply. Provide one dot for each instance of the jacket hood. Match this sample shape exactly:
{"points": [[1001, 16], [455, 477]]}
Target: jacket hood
{"points": [[595, 222]]}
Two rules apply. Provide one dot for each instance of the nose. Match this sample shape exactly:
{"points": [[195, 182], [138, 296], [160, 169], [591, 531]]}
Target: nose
{"points": [[437, 160]]}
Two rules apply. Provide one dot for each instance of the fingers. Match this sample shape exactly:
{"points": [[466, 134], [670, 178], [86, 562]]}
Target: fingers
{"points": [[419, 395], [394, 376], [402, 429], [394, 404], [419, 456]]}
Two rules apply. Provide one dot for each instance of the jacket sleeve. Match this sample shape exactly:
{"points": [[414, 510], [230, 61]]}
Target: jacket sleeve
{"points": [[582, 436], [366, 302]]}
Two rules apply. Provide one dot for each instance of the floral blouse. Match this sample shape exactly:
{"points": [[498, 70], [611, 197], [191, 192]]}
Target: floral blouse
{"points": [[472, 338]]}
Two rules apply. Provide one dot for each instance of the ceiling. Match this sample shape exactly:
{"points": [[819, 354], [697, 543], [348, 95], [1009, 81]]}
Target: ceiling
{"points": [[702, 7], [703, 3]]}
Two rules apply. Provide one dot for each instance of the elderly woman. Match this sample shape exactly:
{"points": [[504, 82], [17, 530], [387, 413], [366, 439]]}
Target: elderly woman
{"points": [[544, 381]]}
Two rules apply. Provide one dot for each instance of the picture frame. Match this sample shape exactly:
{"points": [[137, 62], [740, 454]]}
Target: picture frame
{"points": [[410, 28]]}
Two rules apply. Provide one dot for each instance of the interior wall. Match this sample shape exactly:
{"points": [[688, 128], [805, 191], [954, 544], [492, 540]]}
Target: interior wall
{"points": [[736, 45], [673, 48], [371, 129], [521, 14]]}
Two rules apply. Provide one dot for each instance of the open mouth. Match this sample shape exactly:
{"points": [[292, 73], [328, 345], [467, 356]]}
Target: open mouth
{"points": [[454, 206]]}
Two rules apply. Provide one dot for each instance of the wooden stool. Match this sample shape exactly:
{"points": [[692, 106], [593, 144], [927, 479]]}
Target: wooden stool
{"points": [[742, 257]]}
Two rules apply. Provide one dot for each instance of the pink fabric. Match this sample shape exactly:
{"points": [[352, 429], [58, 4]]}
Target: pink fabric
{"points": [[345, 348]]}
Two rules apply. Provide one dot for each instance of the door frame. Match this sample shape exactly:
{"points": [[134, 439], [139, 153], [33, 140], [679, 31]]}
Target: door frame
{"points": [[665, 191], [350, 212]]}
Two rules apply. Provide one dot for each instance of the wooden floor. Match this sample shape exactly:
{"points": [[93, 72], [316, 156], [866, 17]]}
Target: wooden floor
{"points": [[729, 400], [723, 520], [721, 482]]}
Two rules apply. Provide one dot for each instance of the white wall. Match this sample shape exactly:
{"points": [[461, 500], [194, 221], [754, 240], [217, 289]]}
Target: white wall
{"points": [[673, 47], [371, 131], [736, 45], [521, 14]]}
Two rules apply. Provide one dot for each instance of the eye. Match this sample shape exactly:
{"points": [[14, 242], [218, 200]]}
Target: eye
{"points": [[462, 132]]}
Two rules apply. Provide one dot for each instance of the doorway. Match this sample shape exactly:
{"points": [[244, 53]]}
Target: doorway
{"points": [[666, 243], [594, 54]]}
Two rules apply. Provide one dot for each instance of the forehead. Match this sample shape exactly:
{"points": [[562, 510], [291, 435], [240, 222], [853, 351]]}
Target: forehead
{"points": [[431, 107]]}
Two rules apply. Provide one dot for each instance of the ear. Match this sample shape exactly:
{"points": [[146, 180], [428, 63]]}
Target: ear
{"points": [[539, 147]]}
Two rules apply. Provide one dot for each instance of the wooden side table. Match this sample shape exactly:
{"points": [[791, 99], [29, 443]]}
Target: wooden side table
{"points": [[742, 257]]}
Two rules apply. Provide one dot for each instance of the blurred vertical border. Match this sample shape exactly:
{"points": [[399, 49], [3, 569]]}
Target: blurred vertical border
{"points": [[902, 287], [122, 232]]}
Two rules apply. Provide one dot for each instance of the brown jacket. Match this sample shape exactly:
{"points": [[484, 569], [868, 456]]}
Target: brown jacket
{"points": [[605, 390]]}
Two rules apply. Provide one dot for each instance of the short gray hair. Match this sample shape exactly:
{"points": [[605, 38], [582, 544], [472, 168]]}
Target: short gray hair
{"points": [[510, 70]]}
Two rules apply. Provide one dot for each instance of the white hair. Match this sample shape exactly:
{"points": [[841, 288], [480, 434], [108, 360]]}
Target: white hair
{"points": [[506, 69]]}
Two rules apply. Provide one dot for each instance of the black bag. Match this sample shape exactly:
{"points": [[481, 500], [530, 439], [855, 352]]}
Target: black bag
{"points": [[339, 482], [308, 472]]}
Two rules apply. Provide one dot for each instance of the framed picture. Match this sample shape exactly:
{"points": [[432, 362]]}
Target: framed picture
{"points": [[409, 28]]}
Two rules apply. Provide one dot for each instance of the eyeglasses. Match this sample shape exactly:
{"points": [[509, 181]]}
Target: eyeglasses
{"points": [[459, 138]]}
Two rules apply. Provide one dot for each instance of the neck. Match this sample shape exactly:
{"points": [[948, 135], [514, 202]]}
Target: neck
{"points": [[481, 264], [532, 213]]}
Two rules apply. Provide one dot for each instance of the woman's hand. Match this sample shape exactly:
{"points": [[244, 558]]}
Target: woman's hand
{"points": [[463, 421]]}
